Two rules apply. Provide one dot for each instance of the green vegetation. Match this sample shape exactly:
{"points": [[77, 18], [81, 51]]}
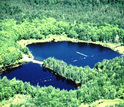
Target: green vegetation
{"points": [[77, 74], [10, 52], [88, 20], [92, 11], [106, 103], [45, 96], [97, 20], [108, 73], [40, 29], [106, 82]]}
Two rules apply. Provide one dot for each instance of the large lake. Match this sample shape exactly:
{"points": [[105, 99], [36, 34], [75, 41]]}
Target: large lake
{"points": [[79, 54]]}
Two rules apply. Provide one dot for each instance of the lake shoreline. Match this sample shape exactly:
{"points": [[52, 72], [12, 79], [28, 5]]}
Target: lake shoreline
{"points": [[10, 67], [113, 46], [77, 84]]}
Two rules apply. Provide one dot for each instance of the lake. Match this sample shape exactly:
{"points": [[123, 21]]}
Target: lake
{"points": [[78, 54]]}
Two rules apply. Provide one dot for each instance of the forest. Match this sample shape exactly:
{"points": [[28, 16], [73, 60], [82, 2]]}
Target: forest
{"points": [[106, 72], [104, 81], [88, 20], [98, 20]]}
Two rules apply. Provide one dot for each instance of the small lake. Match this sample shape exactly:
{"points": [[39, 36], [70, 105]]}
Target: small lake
{"points": [[79, 54]]}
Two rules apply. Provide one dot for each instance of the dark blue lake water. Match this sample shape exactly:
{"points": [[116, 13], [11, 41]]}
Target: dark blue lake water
{"points": [[79, 54]]}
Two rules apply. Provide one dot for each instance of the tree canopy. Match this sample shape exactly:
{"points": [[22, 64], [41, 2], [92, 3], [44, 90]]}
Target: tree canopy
{"points": [[88, 20]]}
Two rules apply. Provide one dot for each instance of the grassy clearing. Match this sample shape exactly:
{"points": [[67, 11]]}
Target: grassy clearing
{"points": [[17, 99], [104, 103]]}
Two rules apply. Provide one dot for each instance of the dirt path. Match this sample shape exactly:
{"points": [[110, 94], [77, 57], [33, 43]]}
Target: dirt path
{"points": [[25, 58]]}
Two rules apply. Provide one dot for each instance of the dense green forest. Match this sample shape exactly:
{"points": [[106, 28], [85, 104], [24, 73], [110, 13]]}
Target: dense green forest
{"points": [[108, 73], [97, 20], [104, 82], [88, 20], [77, 74]]}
